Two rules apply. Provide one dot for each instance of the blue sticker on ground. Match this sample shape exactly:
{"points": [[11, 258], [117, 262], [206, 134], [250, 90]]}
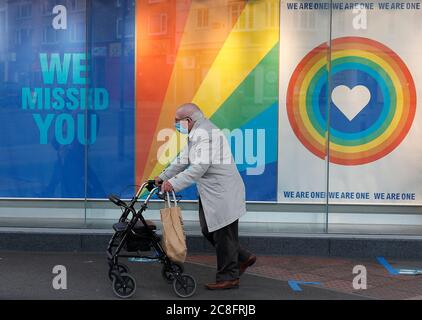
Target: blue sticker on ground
{"points": [[295, 284], [387, 266]]}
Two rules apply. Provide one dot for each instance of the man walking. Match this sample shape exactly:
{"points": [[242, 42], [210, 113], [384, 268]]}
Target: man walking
{"points": [[208, 162]]}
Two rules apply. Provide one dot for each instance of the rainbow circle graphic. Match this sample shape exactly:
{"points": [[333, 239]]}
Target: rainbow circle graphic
{"points": [[378, 128]]}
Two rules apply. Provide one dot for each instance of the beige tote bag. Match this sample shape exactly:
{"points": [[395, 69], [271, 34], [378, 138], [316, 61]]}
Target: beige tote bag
{"points": [[174, 238]]}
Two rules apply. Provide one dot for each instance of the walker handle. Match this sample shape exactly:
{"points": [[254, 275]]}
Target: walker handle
{"points": [[150, 185]]}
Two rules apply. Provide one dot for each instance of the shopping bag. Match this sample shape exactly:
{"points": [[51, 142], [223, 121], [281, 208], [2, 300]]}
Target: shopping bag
{"points": [[174, 238]]}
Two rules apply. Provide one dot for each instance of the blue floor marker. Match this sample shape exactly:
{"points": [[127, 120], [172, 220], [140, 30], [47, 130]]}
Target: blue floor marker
{"points": [[387, 266], [295, 284]]}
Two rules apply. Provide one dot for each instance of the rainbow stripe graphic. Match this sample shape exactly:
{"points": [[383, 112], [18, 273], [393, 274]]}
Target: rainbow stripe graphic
{"points": [[379, 127], [231, 72]]}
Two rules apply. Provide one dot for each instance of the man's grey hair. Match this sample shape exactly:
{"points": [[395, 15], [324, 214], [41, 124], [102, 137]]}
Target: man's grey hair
{"points": [[190, 110]]}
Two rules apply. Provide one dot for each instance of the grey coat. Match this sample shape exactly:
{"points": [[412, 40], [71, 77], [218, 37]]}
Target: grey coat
{"points": [[207, 160]]}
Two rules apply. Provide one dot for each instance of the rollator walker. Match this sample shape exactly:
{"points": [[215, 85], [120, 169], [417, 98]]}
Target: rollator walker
{"points": [[136, 240]]}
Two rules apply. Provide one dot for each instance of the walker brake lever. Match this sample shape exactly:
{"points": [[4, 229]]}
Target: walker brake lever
{"points": [[161, 195]]}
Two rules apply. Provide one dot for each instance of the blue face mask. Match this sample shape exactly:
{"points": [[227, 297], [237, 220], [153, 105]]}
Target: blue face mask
{"points": [[180, 128]]}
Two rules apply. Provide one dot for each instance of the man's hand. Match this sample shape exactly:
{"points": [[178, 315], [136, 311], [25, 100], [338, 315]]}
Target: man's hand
{"points": [[166, 186], [158, 181]]}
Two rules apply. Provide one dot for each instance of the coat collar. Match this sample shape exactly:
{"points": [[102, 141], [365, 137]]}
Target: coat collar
{"points": [[195, 126]]}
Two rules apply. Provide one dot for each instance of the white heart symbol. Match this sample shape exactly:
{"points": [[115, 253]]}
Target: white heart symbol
{"points": [[351, 101]]}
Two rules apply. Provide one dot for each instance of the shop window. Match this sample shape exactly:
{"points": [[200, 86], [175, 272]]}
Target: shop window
{"points": [[271, 20], [128, 28], [157, 24], [48, 5], [49, 35], [242, 21], [202, 18], [234, 11], [128, 3], [23, 36], [77, 5], [2, 22], [24, 10], [77, 32]]}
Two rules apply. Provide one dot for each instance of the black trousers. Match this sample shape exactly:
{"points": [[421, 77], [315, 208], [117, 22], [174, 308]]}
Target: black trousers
{"points": [[227, 247]]}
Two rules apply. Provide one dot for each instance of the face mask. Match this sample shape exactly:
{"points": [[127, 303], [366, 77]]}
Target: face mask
{"points": [[182, 127]]}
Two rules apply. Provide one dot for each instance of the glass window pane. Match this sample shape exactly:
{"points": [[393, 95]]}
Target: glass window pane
{"points": [[42, 82], [375, 149]]}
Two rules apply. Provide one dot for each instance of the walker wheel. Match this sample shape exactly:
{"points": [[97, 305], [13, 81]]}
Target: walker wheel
{"points": [[125, 287], [120, 268], [184, 286], [167, 271]]}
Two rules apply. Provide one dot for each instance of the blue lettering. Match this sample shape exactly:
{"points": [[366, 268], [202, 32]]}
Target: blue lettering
{"points": [[55, 68], [43, 126], [65, 129]]}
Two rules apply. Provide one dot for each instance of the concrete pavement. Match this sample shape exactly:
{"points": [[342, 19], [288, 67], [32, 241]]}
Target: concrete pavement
{"points": [[29, 275]]}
